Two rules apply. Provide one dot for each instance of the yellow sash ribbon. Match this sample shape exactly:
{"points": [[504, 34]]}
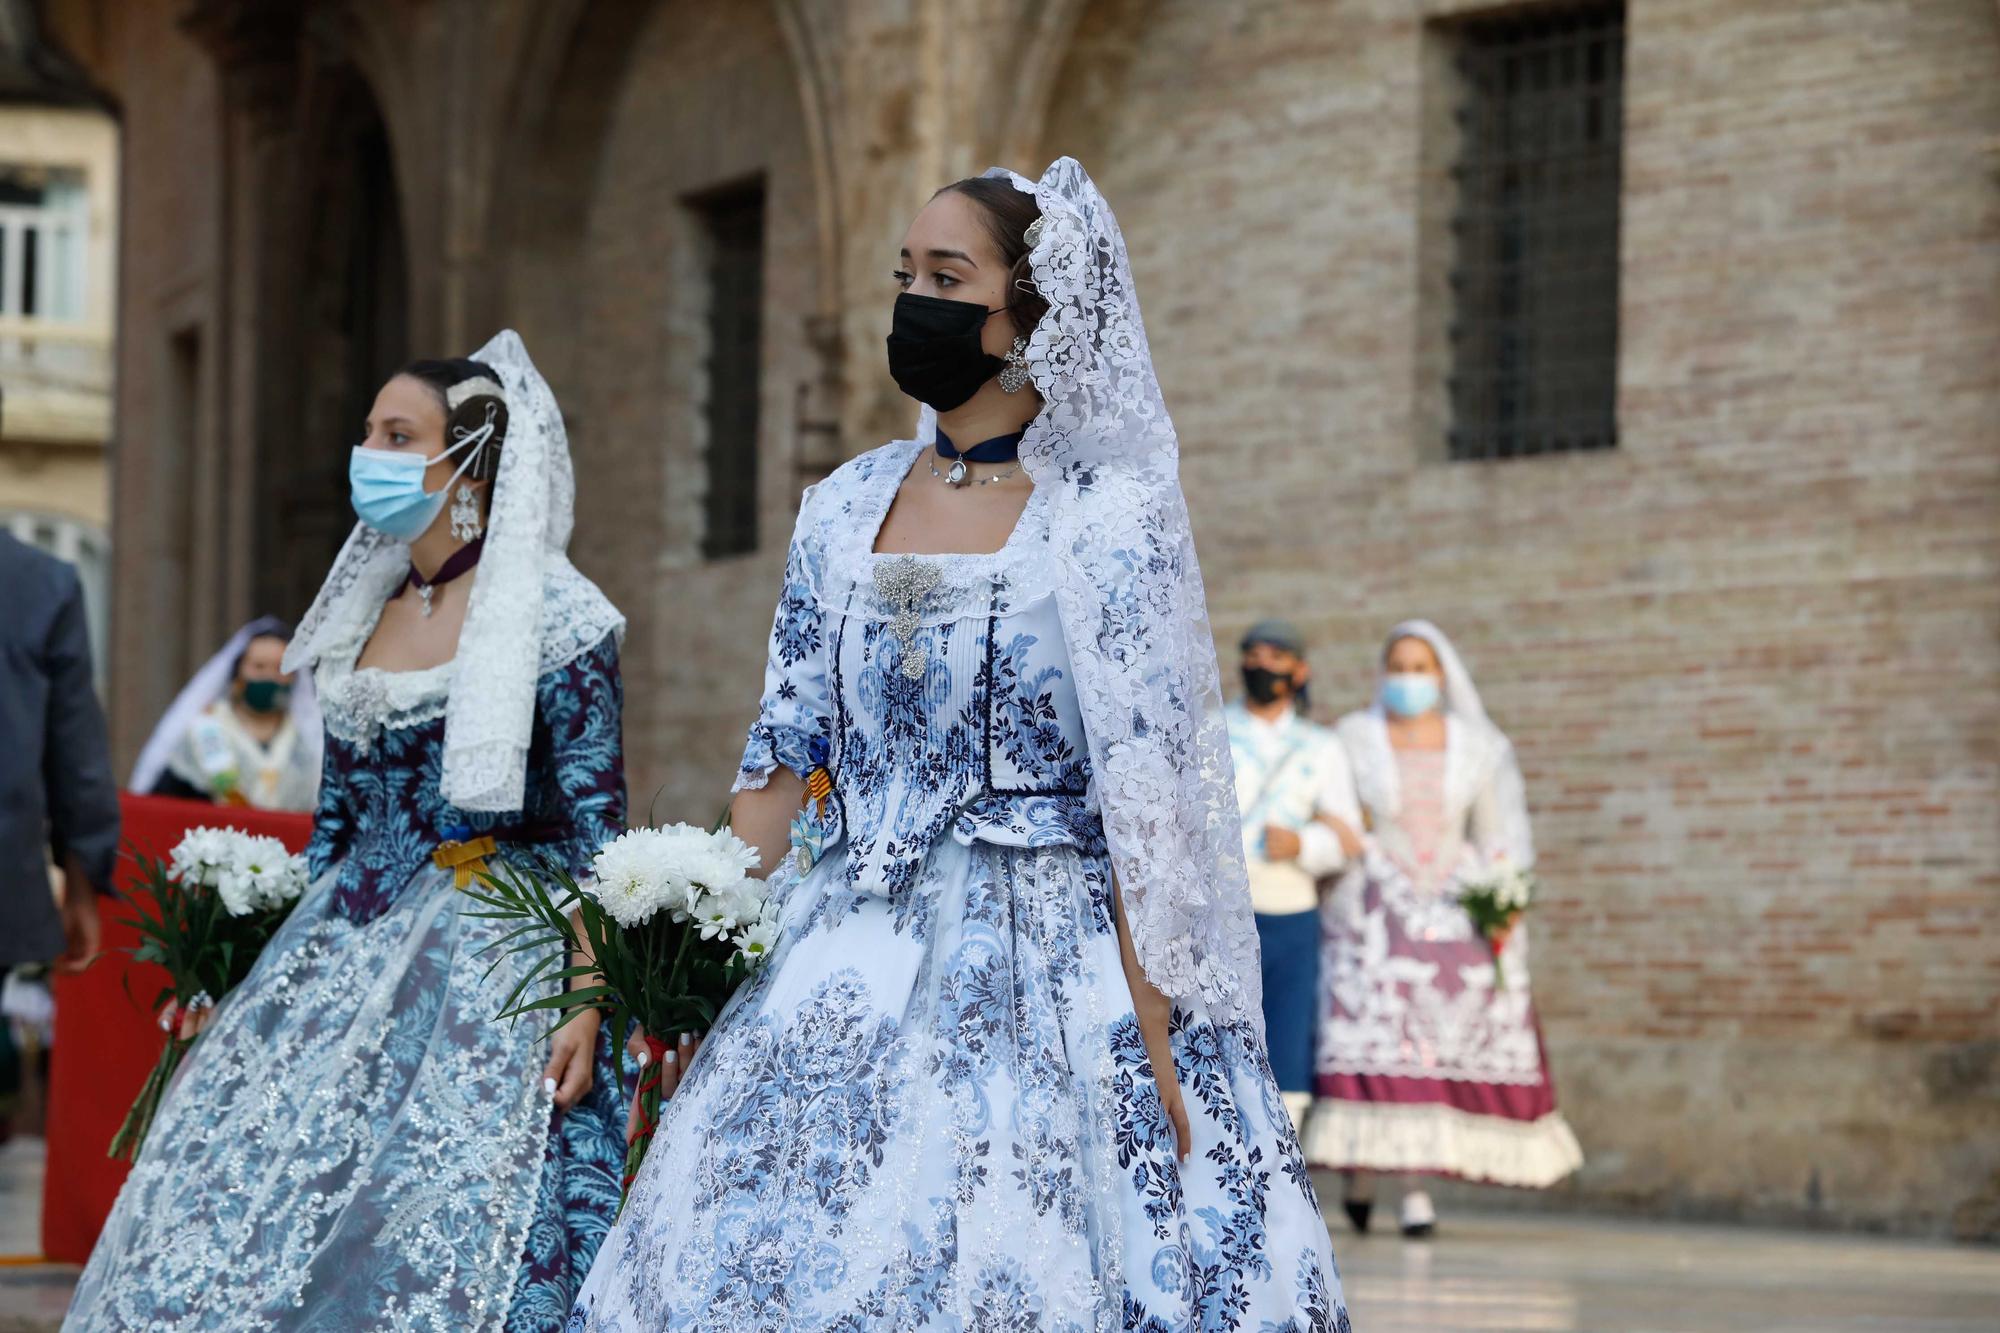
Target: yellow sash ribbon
{"points": [[819, 786], [464, 859]]}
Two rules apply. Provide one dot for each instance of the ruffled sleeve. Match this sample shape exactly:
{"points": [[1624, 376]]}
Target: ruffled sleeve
{"points": [[795, 718], [582, 706]]}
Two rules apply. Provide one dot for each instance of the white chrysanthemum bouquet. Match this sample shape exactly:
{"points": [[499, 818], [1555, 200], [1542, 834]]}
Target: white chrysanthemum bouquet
{"points": [[669, 924], [204, 914], [1496, 905]]}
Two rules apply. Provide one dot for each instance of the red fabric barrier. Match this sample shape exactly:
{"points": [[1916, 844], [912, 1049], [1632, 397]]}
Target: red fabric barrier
{"points": [[106, 1036]]}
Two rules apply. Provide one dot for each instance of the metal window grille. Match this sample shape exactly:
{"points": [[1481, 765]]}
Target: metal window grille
{"points": [[734, 223], [1534, 332]]}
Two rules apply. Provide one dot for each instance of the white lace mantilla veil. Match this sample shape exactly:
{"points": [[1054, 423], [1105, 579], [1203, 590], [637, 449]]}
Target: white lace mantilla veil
{"points": [[1133, 611], [529, 612]]}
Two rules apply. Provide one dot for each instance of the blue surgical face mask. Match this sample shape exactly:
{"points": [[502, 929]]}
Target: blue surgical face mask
{"points": [[1409, 694], [387, 488]]}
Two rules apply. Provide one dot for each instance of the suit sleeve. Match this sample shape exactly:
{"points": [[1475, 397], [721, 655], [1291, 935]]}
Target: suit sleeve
{"points": [[76, 771]]}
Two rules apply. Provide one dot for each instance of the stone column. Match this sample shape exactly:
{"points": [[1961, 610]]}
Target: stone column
{"points": [[911, 98]]}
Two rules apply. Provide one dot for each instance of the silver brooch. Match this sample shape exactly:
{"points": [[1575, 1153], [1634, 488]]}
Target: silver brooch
{"points": [[364, 697], [904, 583]]}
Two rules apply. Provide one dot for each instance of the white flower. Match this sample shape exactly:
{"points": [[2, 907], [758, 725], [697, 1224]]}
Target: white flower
{"points": [[633, 879], [237, 891], [249, 873], [275, 875], [689, 873], [726, 912], [201, 856], [755, 941]]}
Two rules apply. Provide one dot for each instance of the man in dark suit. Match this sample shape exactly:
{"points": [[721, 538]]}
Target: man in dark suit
{"points": [[57, 795]]}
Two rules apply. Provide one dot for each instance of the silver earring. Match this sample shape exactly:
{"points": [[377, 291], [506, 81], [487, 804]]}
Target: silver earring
{"points": [[465, 521], [1015, 374]]}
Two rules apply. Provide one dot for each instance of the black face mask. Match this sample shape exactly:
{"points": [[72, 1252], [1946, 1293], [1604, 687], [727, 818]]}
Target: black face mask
{"points": [[1261, 684], [934, 350]]}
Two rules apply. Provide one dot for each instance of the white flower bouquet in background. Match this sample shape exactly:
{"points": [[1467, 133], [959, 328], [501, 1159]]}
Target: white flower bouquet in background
{"points": [[1496, 905], [204, 914], [672, 921]]}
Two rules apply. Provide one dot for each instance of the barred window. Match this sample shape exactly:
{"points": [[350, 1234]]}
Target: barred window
{"points": [[1534, 279], [733, 227]]}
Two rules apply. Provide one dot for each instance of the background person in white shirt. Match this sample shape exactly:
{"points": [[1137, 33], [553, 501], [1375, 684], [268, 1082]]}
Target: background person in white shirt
{"points": [[1300, 819]]}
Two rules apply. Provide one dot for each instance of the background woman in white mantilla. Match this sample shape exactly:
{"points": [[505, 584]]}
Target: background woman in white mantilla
{"points": [[1429, 1063], [242, 731]]}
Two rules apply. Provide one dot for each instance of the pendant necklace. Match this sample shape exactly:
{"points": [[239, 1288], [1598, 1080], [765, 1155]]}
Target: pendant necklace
{"points": [[456, 564], [999, 449]]}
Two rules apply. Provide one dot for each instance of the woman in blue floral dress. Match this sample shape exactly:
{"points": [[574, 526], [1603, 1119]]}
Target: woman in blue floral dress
{"points": [[1003, 1069], [354, 1143]]}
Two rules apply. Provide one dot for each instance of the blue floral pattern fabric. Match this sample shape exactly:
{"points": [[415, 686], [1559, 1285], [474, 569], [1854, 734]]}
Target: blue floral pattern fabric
{"points": [[932, 1109], [381, 813], [355, 1142], [964, 724]]}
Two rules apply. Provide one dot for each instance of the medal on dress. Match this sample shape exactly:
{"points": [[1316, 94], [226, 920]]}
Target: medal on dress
{"points": [[809, 825]]}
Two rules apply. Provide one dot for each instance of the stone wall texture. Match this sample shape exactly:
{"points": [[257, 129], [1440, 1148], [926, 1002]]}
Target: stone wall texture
{"points": [[1750, 657]]}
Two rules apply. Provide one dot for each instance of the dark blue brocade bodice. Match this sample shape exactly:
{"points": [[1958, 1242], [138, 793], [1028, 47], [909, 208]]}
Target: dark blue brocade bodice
{"points": [[381, 813]]}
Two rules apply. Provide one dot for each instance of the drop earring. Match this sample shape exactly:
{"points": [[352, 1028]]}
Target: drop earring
{"points": [[1015, 373], [466, 524]]}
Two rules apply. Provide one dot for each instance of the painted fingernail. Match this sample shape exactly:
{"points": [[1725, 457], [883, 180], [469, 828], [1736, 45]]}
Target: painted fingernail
{"points": [[644, 1058], [549, 1086], [671, 1057]]}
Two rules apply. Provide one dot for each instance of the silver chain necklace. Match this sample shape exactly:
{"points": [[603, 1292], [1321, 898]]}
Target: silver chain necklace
{"points": [[960, 476]]}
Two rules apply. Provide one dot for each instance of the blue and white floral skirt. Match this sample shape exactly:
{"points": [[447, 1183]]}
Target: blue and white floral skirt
{"points": [[934, 1111], [354, 1143]]}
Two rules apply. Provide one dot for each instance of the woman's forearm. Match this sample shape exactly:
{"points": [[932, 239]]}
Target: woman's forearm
{"points": [[762, 816], [581, 956], [1148, 1001]]}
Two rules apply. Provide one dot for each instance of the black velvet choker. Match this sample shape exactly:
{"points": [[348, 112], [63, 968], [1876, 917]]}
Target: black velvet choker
{"points": [[456, 564], [999, 449]]}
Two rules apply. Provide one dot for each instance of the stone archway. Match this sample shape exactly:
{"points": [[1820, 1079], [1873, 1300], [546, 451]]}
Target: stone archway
{"points": [[662, 128]]}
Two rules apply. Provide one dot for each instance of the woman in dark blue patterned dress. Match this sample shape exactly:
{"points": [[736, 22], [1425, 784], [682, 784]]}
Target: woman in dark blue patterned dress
{"points": [[355, 1143], [1004, 1068]]}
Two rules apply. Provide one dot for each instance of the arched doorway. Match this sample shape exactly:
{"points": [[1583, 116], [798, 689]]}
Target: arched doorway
{"points": [[664, 262], [352, 310]]}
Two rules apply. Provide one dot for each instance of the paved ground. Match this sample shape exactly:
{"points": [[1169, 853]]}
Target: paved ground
{"points": [[1492, 1274], [1531, 1274]]}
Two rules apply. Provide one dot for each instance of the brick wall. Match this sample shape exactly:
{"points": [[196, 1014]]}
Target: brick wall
{"points": [[1752, 658], [628, 346]]}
